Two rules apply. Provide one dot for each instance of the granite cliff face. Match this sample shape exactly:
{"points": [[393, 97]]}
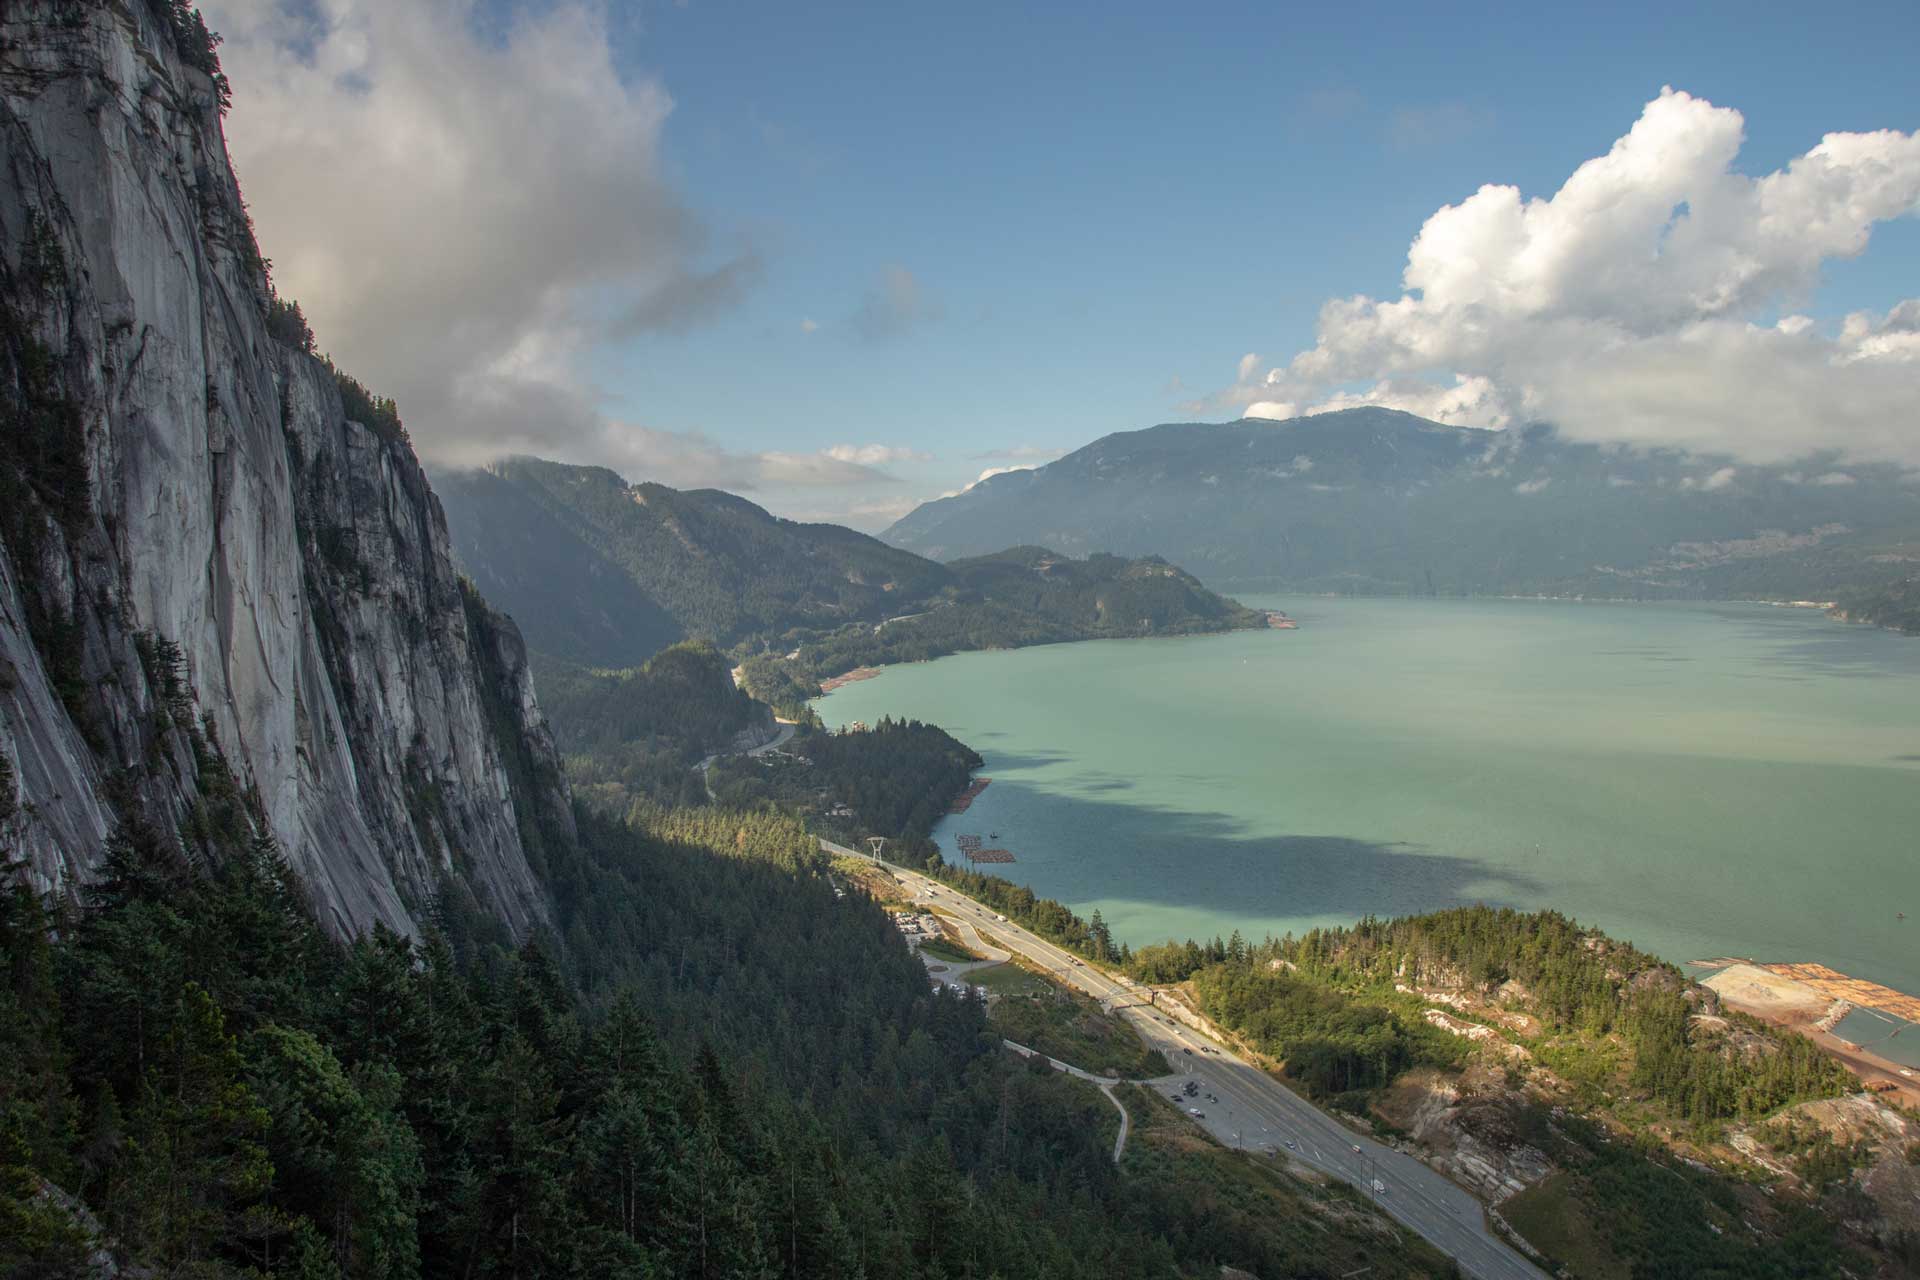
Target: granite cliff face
{"points": [[221, 600]]}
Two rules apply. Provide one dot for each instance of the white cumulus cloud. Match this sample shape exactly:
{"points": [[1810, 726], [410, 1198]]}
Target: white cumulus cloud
{"points": [[875, 455], [464, 215], [989, 474], [1634, 303]]}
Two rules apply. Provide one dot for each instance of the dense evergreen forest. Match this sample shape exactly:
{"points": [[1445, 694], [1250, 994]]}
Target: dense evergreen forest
{"points": [[1896, 605], [1026, 596], [714, 1066], [1576, 981], [897, 777], [638, 732]]}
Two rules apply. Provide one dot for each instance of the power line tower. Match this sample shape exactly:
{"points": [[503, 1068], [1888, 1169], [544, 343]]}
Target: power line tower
{"points": [[877, 843]]}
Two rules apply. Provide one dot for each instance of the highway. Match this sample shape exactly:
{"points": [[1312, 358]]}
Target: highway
{"points": [[1255, 1111], [781, 738]]}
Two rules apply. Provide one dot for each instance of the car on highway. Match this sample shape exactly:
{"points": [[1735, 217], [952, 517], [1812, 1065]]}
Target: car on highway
{"points": [[1292, 1145], [1188, 1052], [1356, 1149], [1198, 1115]]}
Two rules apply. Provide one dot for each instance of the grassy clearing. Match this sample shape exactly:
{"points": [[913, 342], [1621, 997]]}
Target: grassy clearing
{"points": [[1554, 1219], [1068, 1026], [878, 882], [1010, 980], [951, 952]]}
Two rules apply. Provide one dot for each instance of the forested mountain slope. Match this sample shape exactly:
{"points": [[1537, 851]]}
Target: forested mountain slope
{"points": [[225, 589], [583, 604], [1374, 500], [308, 967], [1894, 604], [540, 538], [640, 731]]}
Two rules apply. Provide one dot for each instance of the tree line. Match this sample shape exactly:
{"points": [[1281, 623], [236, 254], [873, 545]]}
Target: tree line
{"points": [[710, 1066]]}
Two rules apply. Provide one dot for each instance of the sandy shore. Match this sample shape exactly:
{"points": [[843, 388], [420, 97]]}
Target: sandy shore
{"points": [[858, 673], [1751, 989]]}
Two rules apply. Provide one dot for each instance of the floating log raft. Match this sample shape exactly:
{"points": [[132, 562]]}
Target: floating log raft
{"points": [[970, 845], [1838, 986], [964, 801]]}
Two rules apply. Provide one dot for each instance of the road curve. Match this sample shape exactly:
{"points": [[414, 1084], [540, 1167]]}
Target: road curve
{"points": [[1103, 1083], [781, 737], [1255, 1111], [980, 942]]}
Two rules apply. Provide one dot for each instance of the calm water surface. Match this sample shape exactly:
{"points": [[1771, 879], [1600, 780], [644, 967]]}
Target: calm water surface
{"points": [[1702, 780]]}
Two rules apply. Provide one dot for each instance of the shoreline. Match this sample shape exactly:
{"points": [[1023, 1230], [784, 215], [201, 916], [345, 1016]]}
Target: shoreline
{"points": [[1268, 620], [1779, 999], [831, 683], [1037, 876]]}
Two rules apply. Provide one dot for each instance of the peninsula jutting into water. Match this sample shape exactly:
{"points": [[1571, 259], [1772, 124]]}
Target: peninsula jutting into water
{"points": [[1704, 780]]}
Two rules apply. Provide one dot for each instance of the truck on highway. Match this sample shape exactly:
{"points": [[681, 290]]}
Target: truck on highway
{"points": [[1379, 1187]]}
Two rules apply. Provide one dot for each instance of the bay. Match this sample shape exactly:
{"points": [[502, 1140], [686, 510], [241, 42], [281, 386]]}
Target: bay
{"points": [[1703, 780]]}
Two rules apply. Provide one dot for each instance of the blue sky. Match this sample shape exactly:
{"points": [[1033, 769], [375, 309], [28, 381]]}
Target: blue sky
{"points": [[972, 230]]}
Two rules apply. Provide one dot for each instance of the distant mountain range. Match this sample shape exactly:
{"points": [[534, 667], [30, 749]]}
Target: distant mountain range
{"points": [[1377, 501], [606, 573]]}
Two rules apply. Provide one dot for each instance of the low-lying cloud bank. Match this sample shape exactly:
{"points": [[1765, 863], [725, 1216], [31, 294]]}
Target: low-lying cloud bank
{"points": [[1648, 301]]}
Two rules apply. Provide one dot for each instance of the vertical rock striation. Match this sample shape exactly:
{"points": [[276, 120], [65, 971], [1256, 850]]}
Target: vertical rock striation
{"points": [[217, 592]]}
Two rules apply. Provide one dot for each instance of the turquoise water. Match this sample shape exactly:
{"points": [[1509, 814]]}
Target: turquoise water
{"points": [[1702, 780]]}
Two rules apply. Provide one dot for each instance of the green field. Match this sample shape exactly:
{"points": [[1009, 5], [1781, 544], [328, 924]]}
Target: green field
{"points": [[1010, 980], [1070, 1027], [940, 949], [1552, 1217]]}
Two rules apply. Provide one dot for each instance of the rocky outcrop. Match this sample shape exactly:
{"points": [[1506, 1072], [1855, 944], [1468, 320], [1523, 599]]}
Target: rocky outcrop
{"points": [[221, 600], [1467, 1128]]}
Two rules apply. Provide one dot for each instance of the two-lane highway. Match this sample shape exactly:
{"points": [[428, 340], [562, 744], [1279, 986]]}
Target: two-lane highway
{"points": [[1255, 1111]]}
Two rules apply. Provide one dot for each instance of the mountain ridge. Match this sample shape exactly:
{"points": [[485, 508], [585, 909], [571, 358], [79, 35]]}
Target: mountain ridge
{"points": [[820, 598], [1378, 501]]}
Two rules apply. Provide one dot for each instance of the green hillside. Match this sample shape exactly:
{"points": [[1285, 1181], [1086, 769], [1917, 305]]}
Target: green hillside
{"points": [[601, 572], [1382, 502]]}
